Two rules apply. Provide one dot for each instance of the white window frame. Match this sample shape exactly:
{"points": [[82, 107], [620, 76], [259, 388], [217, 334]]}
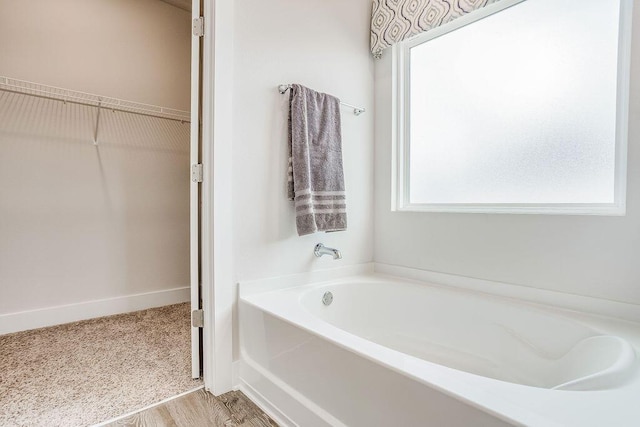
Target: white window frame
{"points": [[400, 168]]}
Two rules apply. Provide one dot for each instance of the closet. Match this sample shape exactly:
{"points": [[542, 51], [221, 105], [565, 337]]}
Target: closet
{"points": [[95, 208], [95, 100]]}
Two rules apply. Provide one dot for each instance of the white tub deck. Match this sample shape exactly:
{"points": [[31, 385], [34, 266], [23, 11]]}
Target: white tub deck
{"points": [[518, 363]]}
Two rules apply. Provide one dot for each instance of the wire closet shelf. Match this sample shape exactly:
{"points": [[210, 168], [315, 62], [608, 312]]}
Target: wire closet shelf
{"points": [[23, 87]]}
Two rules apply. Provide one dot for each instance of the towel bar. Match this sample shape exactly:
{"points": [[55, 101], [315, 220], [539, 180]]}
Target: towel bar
{"points": [[356, 110]]}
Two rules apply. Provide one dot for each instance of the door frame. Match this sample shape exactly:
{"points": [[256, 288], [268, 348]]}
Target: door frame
{"points": [[217, 233], [194, 197]]}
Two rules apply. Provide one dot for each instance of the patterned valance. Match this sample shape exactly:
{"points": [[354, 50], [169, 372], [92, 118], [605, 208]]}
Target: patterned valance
{"points": [[395, 20]]}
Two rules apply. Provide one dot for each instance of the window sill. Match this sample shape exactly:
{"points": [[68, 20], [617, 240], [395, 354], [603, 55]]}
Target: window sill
{"points": [[574, 209]]}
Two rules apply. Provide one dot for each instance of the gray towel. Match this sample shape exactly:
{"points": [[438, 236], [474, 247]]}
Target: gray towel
{"points": [[316, 177]]}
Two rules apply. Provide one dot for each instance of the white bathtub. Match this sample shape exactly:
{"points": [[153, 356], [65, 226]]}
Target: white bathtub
{"points": [[392, 352]]}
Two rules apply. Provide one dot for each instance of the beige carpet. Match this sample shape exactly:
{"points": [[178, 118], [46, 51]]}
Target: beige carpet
{"points": [[87, 372]]}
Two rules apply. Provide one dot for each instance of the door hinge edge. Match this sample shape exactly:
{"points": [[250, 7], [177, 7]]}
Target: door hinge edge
{"points": [[198, 27], [197, 318], [196, 172]]}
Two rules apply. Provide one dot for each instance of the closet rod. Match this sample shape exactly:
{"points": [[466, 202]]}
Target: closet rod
{"points": [[356, 110], [88, 104]]}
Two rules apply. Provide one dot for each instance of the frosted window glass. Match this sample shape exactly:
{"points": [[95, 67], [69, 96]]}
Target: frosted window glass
{"points": [[519, 107]]}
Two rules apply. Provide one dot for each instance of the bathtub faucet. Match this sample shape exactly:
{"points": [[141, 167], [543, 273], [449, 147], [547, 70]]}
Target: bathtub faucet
{"points": [[321, 249]]}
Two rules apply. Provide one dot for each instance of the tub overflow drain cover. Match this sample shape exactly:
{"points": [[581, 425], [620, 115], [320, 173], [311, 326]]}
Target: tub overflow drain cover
{"points": [[327, 298]]}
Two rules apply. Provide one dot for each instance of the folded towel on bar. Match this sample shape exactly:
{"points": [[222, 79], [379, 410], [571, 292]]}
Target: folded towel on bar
{"points": [[316, 176]]}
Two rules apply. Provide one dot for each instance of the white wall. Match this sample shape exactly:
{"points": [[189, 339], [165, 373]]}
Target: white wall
{"points": [[80, 223], [125, 49], [323, 45], [585, 255]]}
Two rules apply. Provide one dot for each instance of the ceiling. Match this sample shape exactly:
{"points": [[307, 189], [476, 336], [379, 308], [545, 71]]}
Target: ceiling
{"points": [[182, 4]]}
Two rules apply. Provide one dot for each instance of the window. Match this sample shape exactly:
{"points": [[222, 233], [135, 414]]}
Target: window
{"points": [[520, 107]]}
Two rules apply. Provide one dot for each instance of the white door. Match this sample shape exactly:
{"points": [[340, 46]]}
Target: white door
{"points": [[196, 188]]}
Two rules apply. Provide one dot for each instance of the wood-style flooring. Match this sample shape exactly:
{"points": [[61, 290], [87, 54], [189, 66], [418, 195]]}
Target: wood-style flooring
{"points": [[201, 409]]}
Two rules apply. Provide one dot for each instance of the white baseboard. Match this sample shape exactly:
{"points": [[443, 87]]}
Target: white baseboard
{"points": [[267, 407], [283, 403], [235, 374], [50, 316]]}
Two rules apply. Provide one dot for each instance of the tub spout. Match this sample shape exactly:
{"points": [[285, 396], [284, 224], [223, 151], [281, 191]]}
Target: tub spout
{"points": [[321, 249]]}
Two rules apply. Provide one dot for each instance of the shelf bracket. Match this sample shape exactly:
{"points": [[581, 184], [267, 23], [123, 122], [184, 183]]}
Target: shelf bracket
{"points": [[95, 132]]}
